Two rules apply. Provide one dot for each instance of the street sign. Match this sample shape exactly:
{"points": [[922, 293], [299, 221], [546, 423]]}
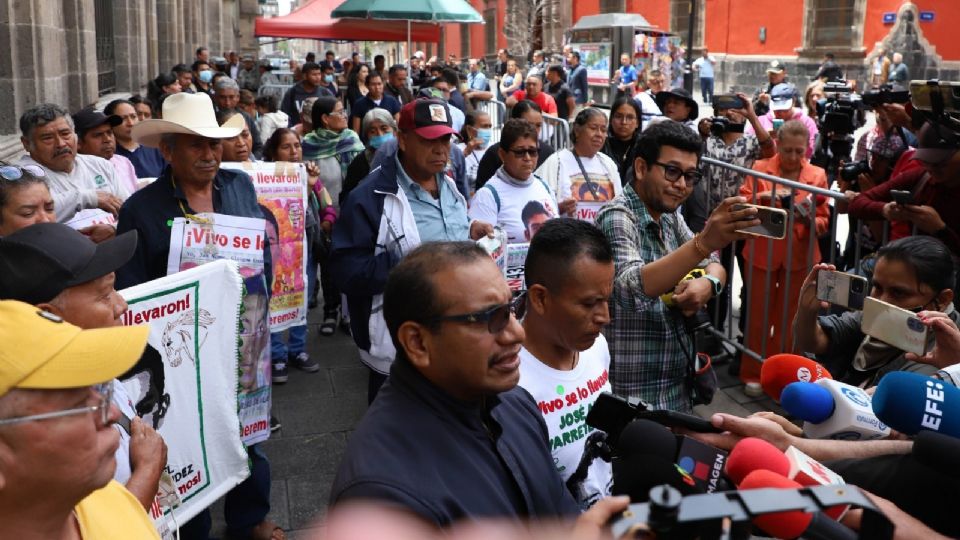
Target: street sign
{"points": [[889, 18], [926, 16]]}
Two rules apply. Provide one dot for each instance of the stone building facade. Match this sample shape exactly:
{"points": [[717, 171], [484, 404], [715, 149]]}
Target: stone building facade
{"points": [[75, 52]]}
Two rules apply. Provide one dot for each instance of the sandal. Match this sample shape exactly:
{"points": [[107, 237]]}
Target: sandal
{"points": [[268, 530]]}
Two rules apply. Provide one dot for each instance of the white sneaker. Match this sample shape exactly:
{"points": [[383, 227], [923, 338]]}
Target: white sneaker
{"points": [[753, 389]]}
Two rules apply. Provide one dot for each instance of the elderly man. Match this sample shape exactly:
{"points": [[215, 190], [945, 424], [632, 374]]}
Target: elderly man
{"points": [[95, 138], [77, 182], [61, 271], [147, 162], [56, 428], [191, 142], [451, 437], [534, 92], [249, 75], [226, 96], [403, 202]]}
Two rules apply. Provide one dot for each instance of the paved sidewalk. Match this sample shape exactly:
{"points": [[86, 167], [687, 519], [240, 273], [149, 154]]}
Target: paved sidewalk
{"points": [[318, 412]]}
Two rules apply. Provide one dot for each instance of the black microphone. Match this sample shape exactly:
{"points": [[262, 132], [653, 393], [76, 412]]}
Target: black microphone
{"points": [[938, 451], [594, 447], [644, 458]]}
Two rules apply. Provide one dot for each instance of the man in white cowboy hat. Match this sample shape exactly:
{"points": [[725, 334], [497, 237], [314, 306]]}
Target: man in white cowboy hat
{"points": [[190, 140]]}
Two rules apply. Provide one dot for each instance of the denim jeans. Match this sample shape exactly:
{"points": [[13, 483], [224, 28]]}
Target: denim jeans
{"points": [[706, 89], [295, 344]]}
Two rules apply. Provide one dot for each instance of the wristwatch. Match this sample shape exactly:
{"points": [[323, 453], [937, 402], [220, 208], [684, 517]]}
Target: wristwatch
{"points": [[717, 286]]}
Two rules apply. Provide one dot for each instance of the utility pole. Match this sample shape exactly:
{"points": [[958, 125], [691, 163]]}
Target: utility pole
{"points": [[688, 70]]}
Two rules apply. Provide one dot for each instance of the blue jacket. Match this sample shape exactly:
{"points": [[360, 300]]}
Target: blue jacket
{"points": [[578, 84], [375, 230], [446, 460]]}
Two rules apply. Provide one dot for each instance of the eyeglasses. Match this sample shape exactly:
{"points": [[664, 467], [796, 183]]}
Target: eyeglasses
{"points": [[15, 172], [105, 391], [496, 317], [521, 152], [673, 173]]}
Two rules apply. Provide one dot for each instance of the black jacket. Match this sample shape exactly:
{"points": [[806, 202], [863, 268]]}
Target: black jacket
{"points": [[446, 460]]}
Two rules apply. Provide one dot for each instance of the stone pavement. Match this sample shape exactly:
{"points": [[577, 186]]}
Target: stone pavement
{"points": [[318, 412]]}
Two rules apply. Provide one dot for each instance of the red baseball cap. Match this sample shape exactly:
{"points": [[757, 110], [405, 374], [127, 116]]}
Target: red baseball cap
{"points": [[428, 118]]}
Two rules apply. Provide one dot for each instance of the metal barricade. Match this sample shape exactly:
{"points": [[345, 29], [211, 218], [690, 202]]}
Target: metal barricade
{"points": [[498, 115], [760, 303], [555, 131], [275, 90]]}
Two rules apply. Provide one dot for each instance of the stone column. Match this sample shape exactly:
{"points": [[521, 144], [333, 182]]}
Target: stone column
{"points": [[79, 45], [131, 39]]}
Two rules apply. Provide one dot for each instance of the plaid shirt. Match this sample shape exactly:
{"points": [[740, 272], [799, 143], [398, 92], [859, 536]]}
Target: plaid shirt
{"points": [[649, 347]]}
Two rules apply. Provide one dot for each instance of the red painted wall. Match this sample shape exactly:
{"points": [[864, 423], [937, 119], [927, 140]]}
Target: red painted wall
{"points": [[941, 32], [784, 31], [656, 12]]}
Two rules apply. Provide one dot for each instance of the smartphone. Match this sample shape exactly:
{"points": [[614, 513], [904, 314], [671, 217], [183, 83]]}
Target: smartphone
{"points": [[901, 197], [841, 289], [773, 221], [777, 124], [921, 92], [894, 326], [728, 101], [673, 419]]}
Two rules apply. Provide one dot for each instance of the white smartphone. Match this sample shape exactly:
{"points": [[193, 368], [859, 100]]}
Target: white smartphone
{"points": [[893, 325], [841, 289], [773, 221]]}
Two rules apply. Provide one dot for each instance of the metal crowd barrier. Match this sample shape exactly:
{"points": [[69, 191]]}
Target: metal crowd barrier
{"points": [[555, 131], [275, 90], [749, 272], [498, 115]]}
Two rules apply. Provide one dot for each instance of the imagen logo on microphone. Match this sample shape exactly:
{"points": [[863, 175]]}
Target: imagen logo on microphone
{"points": [[697, 469]]}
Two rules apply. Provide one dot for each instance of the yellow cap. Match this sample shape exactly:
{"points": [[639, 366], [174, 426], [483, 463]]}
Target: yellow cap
{"points": [[41, 351]]}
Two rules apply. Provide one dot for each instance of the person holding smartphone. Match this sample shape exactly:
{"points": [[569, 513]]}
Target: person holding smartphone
{"points": [[785, 260], [913, 273]]}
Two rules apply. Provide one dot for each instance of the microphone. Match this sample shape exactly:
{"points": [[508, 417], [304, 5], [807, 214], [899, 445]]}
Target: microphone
{"points": [[646, 437], [911, 403], [812, 526], [751, 454], [833, 410], [645, 455], [807, 471], [704, 463], [780, 370], [938, 451]]}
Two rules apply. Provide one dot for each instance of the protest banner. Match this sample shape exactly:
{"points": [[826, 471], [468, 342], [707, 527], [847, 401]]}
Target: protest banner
{"points": [[89, 217], [591, 193], [185, 384], [282, 189], [209, 237], [516, 262]]}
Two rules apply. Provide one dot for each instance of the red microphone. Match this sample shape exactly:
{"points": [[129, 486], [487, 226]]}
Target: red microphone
{"points": [[780, 370], [751, 454], [796, 523]]}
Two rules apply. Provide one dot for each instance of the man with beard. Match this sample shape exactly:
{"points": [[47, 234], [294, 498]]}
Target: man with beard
{"points": [[653, 250]]}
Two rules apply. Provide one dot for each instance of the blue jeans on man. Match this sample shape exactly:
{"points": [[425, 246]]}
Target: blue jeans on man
{"points": [[706, 89]]}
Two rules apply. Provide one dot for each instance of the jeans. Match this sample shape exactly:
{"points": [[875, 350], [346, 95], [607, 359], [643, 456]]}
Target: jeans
{"points": [[706, 89], [281, 350], [245, 506]]}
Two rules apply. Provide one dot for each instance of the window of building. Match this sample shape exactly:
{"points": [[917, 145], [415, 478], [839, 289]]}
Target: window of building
{"points": [[465, 41], [680, 20], [831, 23], [490, 27], [612, 6]]}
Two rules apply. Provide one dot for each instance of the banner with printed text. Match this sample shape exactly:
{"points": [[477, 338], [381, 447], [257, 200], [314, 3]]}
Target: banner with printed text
{"points": [[595, 57], [185, 384], [210, 237], [282, 189], [90, 217], [591, 193]]}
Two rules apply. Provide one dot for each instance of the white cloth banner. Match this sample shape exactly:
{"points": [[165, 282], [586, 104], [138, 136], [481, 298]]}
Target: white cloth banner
{"points": [[89, 217], [185, 384], [282, 189], [212, 237]]}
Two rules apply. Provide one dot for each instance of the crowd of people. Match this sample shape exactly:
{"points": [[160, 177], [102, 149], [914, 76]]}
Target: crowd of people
{"points": [[479, 382]]}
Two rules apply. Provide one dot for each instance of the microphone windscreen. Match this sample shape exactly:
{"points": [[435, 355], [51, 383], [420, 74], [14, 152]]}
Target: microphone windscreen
{"points": [[910, 403], [779, 370], [807, 401], [751, 454], [647, 437], [778, 524], [637, 474], [938, 451]]}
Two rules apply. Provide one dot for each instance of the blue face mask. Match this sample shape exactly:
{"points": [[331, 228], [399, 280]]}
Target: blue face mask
{"points": [[376, 142], [328, 78], [484, 135], [206, 76]]}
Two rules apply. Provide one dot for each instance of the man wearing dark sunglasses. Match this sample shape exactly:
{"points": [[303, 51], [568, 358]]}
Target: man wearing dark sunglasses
{"points": [[654, 249], [450, 435], [56, 428]]}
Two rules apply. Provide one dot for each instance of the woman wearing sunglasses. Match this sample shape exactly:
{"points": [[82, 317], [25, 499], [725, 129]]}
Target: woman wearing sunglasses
{"points": [[25, 198]]}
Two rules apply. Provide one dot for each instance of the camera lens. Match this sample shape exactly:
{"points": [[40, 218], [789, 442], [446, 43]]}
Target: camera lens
{"points": [[856, 286], [776, 218]]}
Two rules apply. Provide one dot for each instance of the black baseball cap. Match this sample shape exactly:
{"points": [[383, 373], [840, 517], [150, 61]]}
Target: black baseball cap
{"points": [[90, 118], [936, 143], [40, 261]]}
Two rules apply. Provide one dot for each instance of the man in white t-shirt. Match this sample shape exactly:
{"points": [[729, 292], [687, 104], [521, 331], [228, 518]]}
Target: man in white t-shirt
{"points": [[564, 361], [502, 200], [77, 182]]}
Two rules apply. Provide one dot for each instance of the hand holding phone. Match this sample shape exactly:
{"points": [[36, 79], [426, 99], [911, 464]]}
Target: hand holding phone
{"points": [[895, 326], [901, 197], [773, 221], [841, 289]]}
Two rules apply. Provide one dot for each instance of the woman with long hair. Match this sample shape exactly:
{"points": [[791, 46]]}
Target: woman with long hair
{"points": [[164, 84], [356, 83], [622, 133]]}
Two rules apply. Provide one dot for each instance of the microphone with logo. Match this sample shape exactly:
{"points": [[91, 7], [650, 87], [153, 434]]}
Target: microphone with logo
{"points": [[644, 458], [833, 410], [781, 370], [795, 524], [911, 403]]}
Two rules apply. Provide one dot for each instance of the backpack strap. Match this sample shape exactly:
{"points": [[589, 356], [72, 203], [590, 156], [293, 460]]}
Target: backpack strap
{"points": [[496, 196]]}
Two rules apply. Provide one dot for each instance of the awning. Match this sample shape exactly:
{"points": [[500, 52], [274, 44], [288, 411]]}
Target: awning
{"points": [[312, 21]]}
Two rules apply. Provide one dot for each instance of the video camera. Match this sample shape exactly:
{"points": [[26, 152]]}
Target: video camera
{"points": [[720, 125], [850, 172], [839, 111], [883, 95]]}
